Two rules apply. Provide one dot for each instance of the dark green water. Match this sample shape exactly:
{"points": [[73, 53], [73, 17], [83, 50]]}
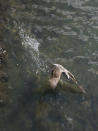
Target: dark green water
{"points": [[34, 33]]}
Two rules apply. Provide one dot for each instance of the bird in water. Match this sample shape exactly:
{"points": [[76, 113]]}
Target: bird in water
{"points": [[56, 73]]}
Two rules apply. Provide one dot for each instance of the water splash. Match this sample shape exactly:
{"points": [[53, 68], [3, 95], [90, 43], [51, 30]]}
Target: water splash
{"points": [[28, 41], [32, 46]]}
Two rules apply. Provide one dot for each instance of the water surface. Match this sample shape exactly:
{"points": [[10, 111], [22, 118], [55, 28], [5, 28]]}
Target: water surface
{"points": [[37, 33]]}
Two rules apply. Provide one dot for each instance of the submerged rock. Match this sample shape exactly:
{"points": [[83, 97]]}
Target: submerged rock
{"points": [[4, 95], [3, 76], [3, 55]]}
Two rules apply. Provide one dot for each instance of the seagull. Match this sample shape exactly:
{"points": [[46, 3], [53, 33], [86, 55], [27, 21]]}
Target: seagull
{"points": [[56, 73]]}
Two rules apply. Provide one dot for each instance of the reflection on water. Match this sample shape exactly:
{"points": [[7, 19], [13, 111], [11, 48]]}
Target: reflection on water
{"points": [[35, 34]]}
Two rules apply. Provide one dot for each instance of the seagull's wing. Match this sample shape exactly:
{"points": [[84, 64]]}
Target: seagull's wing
{"points": [[65, 71], [72, 77], [52, 71]]}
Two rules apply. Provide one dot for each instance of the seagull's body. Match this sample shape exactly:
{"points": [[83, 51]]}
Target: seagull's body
{"points": [[56, 75]]}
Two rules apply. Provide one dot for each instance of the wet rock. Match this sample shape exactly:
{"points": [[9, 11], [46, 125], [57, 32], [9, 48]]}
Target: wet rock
{"points": [[3, 55], [1, 102], [4, 94], [3, 76]]}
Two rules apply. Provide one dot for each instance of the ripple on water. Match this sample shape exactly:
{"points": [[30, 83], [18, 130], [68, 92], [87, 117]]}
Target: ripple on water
{"points": [[74, 3], [95, 63], [92, 70], [81, 59]]}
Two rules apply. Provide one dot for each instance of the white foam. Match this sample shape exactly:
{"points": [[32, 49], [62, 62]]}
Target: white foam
{"points": [[28, 41], [69, 119], [32, 46]]}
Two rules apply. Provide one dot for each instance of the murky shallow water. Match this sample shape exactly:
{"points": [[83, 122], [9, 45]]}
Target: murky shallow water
{"points": [[37, 33]]}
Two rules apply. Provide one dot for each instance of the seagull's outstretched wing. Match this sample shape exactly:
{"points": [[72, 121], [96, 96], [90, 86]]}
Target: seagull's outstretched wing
{"points": [[72, 76], [66, 72], [69, 75]]}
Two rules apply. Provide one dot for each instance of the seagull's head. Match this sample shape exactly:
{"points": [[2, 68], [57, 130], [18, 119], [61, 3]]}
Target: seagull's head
{"points": [[62, 69]]}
